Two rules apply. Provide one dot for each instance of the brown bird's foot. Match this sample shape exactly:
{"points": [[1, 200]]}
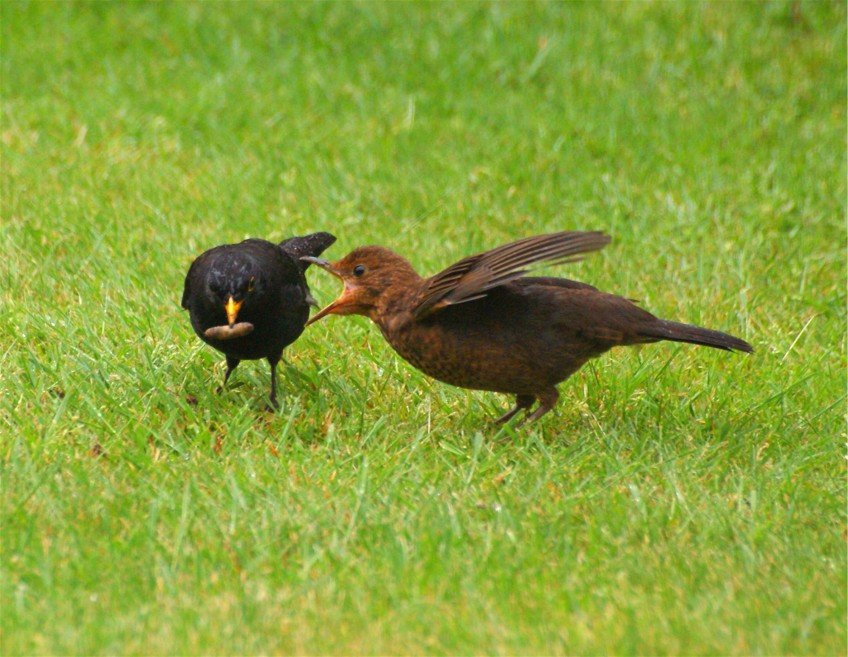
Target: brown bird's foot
{"points": [[547, 400], [521, 402]]}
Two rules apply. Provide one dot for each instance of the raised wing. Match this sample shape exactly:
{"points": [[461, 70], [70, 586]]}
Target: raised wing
{"points": [[472, 277]]}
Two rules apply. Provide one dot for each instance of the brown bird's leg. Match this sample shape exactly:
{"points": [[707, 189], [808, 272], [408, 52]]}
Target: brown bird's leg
{"points": [[272, 361], [232, 363], [547, 400], [521, 402]]}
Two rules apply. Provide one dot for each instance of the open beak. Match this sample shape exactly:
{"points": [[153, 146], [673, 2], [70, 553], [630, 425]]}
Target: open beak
{"points": [[232, 307], [344, 300], [328, 310]]}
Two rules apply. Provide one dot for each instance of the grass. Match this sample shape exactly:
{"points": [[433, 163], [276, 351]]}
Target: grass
{"points": [[678, 500]]}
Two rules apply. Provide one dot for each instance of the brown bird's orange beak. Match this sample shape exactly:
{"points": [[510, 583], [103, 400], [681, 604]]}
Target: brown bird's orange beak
{"points": [[232, 307], [346, 300]]}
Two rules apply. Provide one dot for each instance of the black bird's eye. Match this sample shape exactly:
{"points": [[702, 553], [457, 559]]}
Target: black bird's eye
{"points": [[359, 270], [250, 284]]}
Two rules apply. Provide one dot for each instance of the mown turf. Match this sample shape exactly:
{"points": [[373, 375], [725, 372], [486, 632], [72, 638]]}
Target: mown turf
{"points": [[679, 500]]}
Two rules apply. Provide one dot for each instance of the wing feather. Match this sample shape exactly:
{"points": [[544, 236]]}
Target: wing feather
{"points": [[472, 277]]}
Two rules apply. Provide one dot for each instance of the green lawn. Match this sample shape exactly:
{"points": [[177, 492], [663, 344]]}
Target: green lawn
{"points": [[678, 500]]}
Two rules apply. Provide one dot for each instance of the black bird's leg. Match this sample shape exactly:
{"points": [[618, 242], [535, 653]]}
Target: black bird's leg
{"points": [[521, 401], [232, 363], [547, 400], [272, 361]]}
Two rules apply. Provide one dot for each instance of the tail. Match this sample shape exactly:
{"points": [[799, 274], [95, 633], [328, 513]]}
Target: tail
{"points": [[308, 245], [662, 329]]}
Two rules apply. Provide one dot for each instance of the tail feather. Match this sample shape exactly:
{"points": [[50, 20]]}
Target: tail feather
{"points": [[662, 329], [307, 245]]}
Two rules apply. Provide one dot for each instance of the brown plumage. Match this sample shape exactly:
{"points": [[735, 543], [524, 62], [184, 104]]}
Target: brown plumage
{"points": [[482, 324]]}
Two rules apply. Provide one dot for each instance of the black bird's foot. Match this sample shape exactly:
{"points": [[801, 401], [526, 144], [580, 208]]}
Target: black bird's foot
{"points": [[232, 363], [272, 398]]}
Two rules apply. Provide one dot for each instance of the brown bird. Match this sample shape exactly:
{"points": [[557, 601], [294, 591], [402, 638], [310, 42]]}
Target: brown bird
{"points": [[482, 324]]}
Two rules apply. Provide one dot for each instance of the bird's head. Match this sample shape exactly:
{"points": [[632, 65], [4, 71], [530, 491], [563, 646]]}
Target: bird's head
{"points": [[370, 275], [234, 284]]}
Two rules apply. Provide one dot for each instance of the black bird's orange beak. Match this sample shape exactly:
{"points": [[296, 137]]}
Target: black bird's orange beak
{"points": [[341, 305], [232, 307]]}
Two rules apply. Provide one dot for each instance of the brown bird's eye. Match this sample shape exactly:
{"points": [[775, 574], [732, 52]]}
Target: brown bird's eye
{"points": [[359, 270], [250, 284]]}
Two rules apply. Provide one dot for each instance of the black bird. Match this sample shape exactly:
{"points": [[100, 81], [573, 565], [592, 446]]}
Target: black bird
{"points": [[262, 285]]}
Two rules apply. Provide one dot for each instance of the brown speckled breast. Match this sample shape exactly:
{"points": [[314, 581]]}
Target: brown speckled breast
{"points": [[508, 342], [465, 361]]}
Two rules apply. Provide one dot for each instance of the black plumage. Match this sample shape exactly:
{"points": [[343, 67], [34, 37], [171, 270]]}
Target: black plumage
{"points": [[258, 283]]}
